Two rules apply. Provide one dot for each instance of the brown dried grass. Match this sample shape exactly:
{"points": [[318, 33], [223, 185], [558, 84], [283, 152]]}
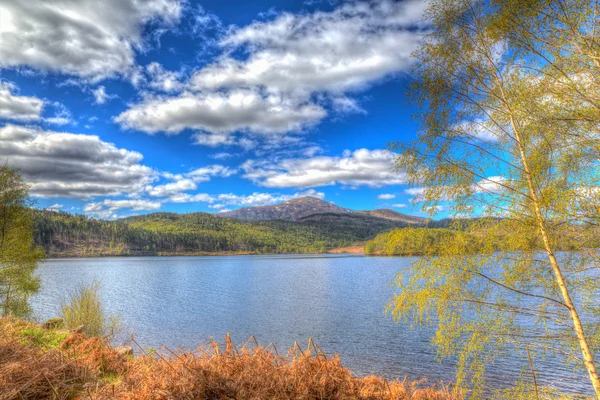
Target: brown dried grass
{"points": [[89, 368]]}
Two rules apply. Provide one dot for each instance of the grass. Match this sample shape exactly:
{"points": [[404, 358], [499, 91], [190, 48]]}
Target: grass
{"points": [[43, 338], [44, 367]]}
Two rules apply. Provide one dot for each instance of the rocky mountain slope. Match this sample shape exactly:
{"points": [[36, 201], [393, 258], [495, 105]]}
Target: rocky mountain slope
{"points": [[296, 209], [291, 210]]}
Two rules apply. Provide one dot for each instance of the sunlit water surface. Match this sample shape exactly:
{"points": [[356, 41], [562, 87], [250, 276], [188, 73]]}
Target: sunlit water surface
{"points": [[339, 301]]}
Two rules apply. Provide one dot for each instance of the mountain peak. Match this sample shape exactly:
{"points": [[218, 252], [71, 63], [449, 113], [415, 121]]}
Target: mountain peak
{"points": [[300, 207], [289, 210], [306, 199]]}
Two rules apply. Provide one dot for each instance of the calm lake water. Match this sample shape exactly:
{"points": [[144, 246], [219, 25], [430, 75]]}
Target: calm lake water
{"points": [[339, 301]]}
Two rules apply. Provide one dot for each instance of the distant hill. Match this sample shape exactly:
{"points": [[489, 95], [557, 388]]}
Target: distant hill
{"points": [[303, 225], [394, 216], [291, 210], [67, 235]]}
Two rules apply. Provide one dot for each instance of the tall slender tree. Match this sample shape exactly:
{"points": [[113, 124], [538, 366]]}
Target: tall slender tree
{"points": [[18, 255], [510, 127]]}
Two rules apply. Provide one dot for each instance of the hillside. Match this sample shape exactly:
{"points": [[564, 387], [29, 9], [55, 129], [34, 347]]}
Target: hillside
{"points": [[67, 235], [290, 210], [394, 216]]}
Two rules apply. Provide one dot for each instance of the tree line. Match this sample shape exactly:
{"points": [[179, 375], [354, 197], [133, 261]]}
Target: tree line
{"points": [[64, 234]]}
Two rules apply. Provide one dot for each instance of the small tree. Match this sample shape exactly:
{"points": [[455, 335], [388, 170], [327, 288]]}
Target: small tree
{"points": [[18, 256], [510, 127]]}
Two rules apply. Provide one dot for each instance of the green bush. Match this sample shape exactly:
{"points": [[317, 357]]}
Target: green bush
{"points": [[84, 308]]}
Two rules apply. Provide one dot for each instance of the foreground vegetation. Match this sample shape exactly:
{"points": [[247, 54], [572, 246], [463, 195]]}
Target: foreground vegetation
{"points": [[37, 363], [66, 235]]}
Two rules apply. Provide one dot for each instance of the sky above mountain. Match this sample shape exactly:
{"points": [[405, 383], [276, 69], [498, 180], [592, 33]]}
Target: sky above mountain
{"points": [[124, 107]]}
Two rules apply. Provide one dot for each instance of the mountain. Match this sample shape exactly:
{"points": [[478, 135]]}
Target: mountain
{"points": [[394, 216], [296, 209], [290, 210]]}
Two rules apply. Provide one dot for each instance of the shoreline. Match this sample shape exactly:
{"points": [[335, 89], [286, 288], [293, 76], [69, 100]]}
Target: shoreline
{"points": [[352, 249]]}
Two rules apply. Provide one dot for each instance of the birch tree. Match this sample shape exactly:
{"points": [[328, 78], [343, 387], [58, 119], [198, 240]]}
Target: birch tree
{"points": [[509, 93]]}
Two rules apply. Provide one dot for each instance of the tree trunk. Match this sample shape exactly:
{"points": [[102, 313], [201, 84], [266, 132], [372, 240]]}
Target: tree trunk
{"points": [[588, 357]]}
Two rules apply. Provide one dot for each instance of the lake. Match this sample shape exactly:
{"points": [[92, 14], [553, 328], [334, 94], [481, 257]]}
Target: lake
{"points": [[338, 300]]}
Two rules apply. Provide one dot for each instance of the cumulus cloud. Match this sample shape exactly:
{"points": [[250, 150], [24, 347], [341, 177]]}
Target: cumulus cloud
{"points": [[294, 66], [72, 165], [222, 113], [15, 107], [87, 38], [107, 209], [373, 168], [386, 196], [325, 51]]}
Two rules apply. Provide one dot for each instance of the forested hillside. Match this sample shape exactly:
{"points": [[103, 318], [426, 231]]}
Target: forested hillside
{"points": [[68, 235]]}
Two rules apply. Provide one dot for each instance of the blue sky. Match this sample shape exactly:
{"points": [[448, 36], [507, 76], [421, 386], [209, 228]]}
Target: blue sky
{"points": [[122, 107]]}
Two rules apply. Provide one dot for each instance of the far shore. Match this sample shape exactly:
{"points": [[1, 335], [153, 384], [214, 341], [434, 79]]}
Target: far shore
{"points": [[355, 249]]}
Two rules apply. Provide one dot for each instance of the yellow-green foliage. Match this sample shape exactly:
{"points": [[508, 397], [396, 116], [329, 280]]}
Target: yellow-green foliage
{"points": [[18, 255], [31, 334], [509, 110], [46, 339], [422, 241], [85, 309]]}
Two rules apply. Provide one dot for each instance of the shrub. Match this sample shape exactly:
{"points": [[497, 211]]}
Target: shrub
{"points": [[85, 309]]}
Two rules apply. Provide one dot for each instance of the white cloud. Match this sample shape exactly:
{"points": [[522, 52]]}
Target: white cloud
{"points": [[417, 191], [163, 80], [221, 156], [56, 207], [264, 199], [172, 188], [480, 129], [386, 196], [188, 181], [107, 208], [373, 168], [325, 51], [400, 205], [222, 113], [295, 66], [28, 108], [492, 184], [87, 38], [20, 108], [220, 201], [100, 95], [204, 173], [72, 165]]}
